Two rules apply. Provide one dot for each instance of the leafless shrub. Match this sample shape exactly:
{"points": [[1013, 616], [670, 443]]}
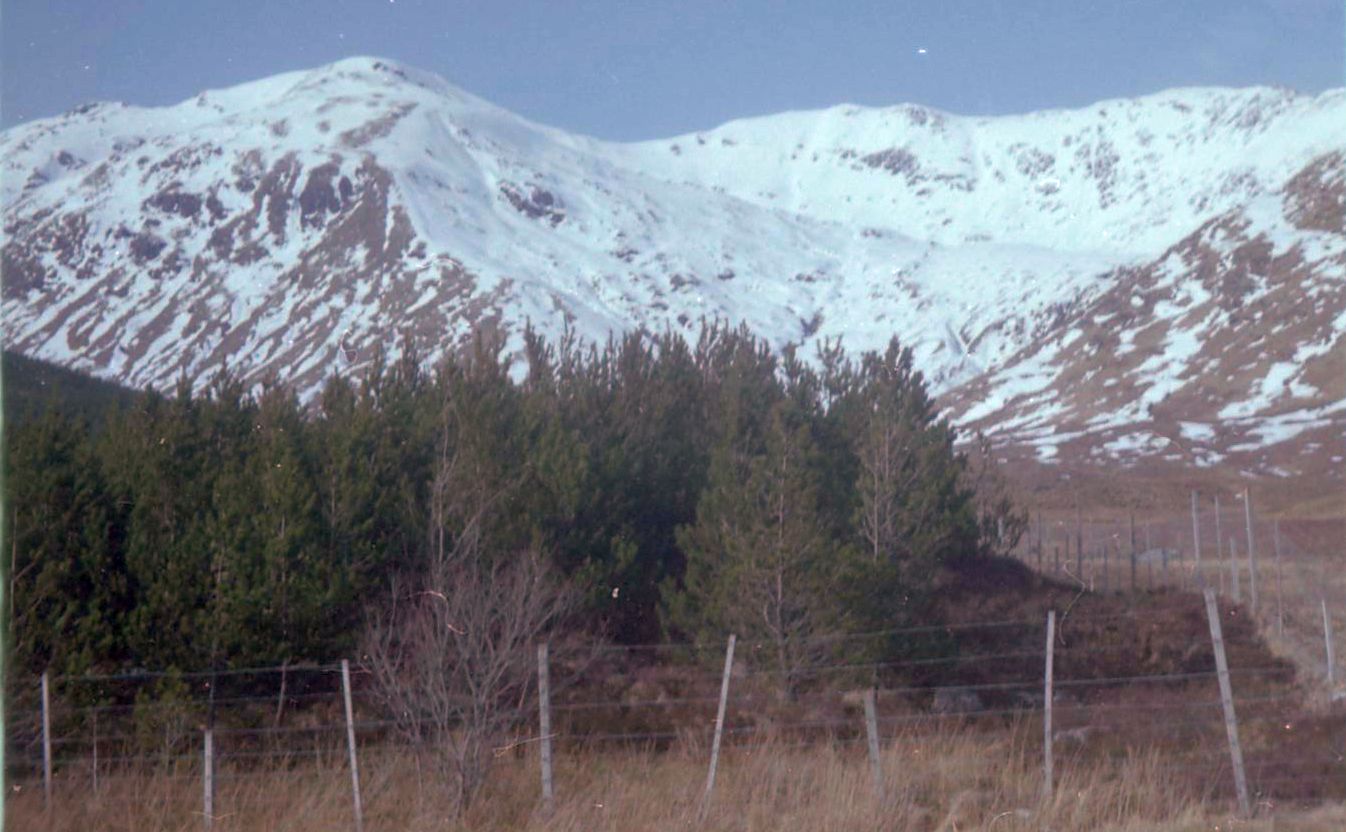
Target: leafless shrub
{"points": [[454, 663]]}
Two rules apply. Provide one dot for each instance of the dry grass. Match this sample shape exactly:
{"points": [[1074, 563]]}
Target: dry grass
{"points": [[987, 780], [1289, 615], [953, 781]]}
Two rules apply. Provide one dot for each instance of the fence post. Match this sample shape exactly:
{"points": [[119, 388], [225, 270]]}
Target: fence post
{"points": [[872, 732], [544, 721], [208, 779], [1133, 551], [1280, 598], [1040, 542], [1227, 700], [1047, 674], [719, 719], [1219, 539], [350, 745], [1183, 579], [46, 740], [1327, 644], [1234, 569], [1252, 548], [1079, 539], [1196, 539]]}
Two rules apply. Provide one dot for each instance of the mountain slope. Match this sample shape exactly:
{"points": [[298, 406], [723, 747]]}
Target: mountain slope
{"points": [[30, 387], [288, 226]]}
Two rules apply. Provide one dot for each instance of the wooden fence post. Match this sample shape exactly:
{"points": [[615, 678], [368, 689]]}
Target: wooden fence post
{"points": [[46, 740], [544, 721], [208, 779], [1252, 548], [719, 719], [350, 745], [1227, 700], [1327, 644], [872, 733], [1047, 775]]}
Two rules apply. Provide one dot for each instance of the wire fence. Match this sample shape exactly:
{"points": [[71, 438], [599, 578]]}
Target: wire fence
{"points": [[1140, 693], [1283, 573]]}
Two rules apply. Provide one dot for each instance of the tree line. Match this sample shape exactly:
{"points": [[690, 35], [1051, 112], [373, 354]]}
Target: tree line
{"points": [[680, 490]]}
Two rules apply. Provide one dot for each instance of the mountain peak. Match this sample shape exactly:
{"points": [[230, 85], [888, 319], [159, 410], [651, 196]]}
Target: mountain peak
{"points": [[293, 225], [382, 72]]}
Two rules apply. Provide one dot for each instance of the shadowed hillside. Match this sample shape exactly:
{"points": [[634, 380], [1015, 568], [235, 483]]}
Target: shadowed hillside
{"points": [[30, 385]]}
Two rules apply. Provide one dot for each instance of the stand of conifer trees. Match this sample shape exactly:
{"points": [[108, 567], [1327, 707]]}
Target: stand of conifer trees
{"points": [[690, 489]]}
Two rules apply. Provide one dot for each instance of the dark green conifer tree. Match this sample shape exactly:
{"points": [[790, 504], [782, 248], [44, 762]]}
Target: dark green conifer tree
{"points": [[69, 592], [760, 560]]}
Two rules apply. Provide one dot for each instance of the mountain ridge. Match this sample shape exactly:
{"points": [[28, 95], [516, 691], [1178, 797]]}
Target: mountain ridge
{"points": [[290, 225]]}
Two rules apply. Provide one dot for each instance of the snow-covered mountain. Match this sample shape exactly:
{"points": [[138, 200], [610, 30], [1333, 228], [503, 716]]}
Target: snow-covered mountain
{"points": [[1141, 274]]}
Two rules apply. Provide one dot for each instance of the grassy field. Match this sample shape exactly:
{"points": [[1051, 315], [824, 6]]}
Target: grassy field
{"points": [[1128, 756], [954, 781]]}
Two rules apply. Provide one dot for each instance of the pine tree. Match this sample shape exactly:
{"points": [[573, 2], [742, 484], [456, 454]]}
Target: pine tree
{"points": [[349, 478], [160, 467], [69, 592], [759, 560], [913, 513], [277, 589]]}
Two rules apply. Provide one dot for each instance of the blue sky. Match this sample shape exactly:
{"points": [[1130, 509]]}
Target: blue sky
{"points": [[631, 70]]}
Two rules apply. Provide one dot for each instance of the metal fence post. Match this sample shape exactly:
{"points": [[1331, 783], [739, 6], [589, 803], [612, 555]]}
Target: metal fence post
{"points": [[1196, 538], [544, 722], [872, 734], [1280, 595], [208, 779], [46, 740], [1327, 644], [1133, 551], [1219, 538], [719, 719], [1227, 700], [1047, 675], [350, 745], [1252, 548]]}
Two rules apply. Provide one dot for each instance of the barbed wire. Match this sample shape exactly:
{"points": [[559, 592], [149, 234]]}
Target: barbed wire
{"points": [[193, 674], [251, 740]]}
